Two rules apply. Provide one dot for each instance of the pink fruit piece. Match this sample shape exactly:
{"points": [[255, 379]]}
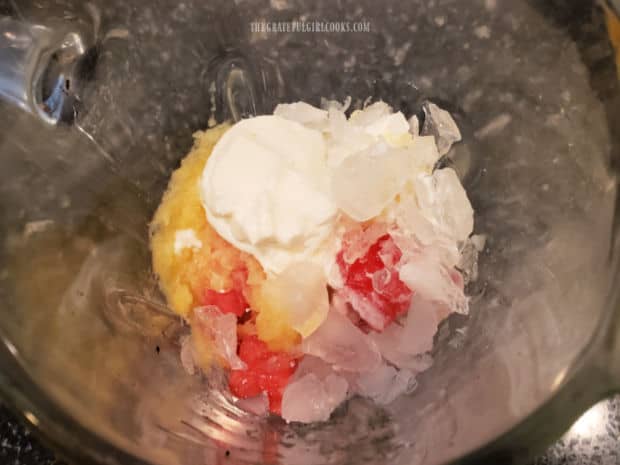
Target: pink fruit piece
{"points": [[372, 285]]}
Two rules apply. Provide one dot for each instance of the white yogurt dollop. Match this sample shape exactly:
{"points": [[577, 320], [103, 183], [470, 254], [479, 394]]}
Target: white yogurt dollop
{"points": [[266, 190]]}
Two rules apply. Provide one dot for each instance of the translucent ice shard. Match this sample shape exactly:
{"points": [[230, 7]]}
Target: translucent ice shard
{"points": [[220, 331], [365, 183], [443, 201], [384, 384], [341, 344], [314, 392], [440, 124]]}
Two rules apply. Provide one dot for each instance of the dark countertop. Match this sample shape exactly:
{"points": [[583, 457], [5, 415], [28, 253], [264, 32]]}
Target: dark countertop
{"points": [[18, 446], [593, 439]]}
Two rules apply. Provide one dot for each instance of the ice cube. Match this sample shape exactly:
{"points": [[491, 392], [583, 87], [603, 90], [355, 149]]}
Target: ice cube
{"points": [[384, 384], [371, 114], [366, 309], [311, 399], [357, 240], [315, 365], [421, 325], [221, 330], [301, 291], [443, 249], [443, 201], [468, 263], [344, 138], [440, 124], [406, 214], [364, 183], [389, 253], [375, 125], [314, 391], [393, 124], [424, 153], [341, 344], [303, 113], [403, 344], [258, 405], [428, 278], [379, 122], [395, 349]]}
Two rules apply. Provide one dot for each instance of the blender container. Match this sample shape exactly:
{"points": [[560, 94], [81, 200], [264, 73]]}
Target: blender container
{"points": [[98, 104]]}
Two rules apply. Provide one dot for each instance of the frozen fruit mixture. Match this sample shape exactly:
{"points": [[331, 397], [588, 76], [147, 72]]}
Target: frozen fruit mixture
{"points": [[314, 255]]}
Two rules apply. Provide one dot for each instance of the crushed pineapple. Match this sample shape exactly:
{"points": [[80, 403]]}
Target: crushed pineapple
{"points": [[184, 276], [272, 322]]}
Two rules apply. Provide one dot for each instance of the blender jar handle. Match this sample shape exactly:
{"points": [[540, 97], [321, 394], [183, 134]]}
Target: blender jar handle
{"points": [[40, 67]]}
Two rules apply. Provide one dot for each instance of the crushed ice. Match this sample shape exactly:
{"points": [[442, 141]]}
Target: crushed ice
{"points": [[440, 124], [219, 331], [383, 170]]}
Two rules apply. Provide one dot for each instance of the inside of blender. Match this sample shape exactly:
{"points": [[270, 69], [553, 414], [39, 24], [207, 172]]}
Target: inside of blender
{"points": [[533, 91]]}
